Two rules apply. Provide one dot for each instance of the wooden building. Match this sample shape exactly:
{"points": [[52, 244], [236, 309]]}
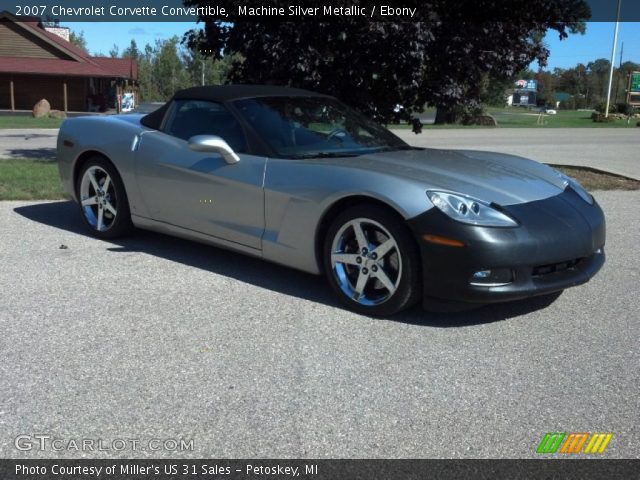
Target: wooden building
{"points": [[37, 62]]}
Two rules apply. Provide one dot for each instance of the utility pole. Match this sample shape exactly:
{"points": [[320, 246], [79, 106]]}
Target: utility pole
{"points": [[613, 57]]}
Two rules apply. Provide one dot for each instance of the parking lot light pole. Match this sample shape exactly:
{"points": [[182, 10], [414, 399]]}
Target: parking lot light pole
{"points": [[613, 54]]}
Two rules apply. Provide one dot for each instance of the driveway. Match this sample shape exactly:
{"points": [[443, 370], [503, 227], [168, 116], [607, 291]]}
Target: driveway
{"points": [[155, 337]]}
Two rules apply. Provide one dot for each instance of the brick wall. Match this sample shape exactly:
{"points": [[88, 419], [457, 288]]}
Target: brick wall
{"points": [[62, 32]]}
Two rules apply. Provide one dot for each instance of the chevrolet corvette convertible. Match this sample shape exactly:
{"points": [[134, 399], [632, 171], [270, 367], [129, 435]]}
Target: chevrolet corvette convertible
{"points": [[300, 179]]}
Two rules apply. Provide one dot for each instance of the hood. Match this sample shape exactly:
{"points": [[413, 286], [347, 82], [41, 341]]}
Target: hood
{"points": [[489, 176]]}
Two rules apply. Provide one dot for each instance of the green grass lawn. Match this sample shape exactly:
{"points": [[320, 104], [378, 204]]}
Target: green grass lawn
{"points": [[516, 117], [23, 121], [30, 179], [520, 117]]}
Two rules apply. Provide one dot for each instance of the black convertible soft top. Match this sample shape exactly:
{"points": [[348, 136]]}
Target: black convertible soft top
{"points": [[225, 93]]}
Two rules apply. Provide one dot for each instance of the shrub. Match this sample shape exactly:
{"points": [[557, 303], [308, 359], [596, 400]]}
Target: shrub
{"points": [[624, 108], [479, 119], [614, 107], [600, 118]]}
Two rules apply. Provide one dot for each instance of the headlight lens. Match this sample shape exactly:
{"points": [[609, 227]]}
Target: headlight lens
{"points": [[469, 210], [576, 187]]}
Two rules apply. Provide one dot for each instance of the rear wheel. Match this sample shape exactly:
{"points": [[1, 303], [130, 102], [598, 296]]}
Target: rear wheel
{"points": [[372, 261], [103, 201]]}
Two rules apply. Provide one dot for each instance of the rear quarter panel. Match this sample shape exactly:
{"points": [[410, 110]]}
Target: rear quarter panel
{"points": [[111, 137]]}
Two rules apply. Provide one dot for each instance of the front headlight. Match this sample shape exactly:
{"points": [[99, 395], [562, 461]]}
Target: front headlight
{"points": [[575, 186], [470, 210]]}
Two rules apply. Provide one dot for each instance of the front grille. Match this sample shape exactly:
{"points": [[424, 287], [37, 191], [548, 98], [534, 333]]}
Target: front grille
{"points": [[541, 270]]}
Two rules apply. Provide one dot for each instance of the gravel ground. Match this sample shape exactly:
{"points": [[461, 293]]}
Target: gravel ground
{"points": [[154, 337]]}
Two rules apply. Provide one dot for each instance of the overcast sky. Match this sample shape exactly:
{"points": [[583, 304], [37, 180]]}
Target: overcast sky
{"points": [[596, 43]]}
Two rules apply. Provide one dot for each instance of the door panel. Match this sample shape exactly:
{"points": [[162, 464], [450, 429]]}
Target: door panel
{"points": [[200, 191]]}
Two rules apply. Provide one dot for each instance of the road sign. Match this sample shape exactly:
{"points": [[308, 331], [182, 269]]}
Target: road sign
{"points": [[633, 96], [634, 82], [527, 84]]}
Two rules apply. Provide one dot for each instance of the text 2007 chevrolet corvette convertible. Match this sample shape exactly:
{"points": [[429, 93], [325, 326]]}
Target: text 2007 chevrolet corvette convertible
{"points": [[300, 179]]}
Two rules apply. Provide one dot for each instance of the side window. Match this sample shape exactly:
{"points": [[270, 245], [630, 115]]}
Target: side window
{"points": [[187, 118]]}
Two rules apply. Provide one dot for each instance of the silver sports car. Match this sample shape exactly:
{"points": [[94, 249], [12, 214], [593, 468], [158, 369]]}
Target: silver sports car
{"points": [[300, 179]]}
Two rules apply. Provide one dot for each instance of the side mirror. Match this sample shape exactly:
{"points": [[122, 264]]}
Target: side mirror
{"points": [[212, 143]]}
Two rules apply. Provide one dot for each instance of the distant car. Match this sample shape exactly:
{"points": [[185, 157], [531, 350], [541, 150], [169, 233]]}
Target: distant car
{"points": [[300, 179], [550, 111]]}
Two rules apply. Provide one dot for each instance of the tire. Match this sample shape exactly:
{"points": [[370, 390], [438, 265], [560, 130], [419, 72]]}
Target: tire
{"points": [[368, 279], [105, 213]]}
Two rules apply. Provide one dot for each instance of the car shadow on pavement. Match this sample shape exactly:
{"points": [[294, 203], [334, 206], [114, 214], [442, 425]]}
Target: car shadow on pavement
{"points": [[65, 216], [486, 314]]}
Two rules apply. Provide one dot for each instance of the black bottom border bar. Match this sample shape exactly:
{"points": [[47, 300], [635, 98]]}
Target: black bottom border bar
{"points": [[256, 469]]}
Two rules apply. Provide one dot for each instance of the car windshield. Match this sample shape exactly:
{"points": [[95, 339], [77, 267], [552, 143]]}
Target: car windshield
{"points": [[315, 127]]}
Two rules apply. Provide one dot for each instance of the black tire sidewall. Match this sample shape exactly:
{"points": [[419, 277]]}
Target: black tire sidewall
{"points": [[408, 291], [122, 224]]}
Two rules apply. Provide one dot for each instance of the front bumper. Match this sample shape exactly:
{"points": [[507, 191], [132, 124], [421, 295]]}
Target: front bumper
{"points": [[558, 244]]}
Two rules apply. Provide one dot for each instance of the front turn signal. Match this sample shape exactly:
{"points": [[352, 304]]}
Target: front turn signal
{"points": [[437, 239]]}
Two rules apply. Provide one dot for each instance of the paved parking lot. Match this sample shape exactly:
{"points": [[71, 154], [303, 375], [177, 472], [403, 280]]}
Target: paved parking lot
{"points": [[154, 337]]}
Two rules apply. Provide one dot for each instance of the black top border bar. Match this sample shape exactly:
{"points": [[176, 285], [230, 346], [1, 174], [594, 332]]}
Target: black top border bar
{"points": [[66, 11]]}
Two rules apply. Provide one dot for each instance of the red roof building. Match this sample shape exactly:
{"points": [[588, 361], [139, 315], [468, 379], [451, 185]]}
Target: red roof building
{"points": [[36, 63]]}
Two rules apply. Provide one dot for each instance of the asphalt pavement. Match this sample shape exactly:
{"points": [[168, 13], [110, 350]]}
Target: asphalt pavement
{"points": [[608, 149], [155, 337], [615, 150], [28, 143]]}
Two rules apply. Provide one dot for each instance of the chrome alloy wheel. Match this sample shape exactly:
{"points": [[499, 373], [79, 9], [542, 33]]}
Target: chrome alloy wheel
{"points": [[366, 261], [98, 198]]}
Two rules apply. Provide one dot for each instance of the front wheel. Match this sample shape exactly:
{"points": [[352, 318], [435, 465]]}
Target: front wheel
{"points": [[103, 200], [371, 261]]}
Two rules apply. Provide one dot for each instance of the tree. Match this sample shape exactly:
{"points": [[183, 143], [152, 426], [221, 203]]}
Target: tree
{"points": [[546, 89], [599, 75], [146, 80], [167, 68], [207, 70], [326, 57], [442, 58], [569, 80], [131, 51], [494, 91], [115, 50], [78, 40]]}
